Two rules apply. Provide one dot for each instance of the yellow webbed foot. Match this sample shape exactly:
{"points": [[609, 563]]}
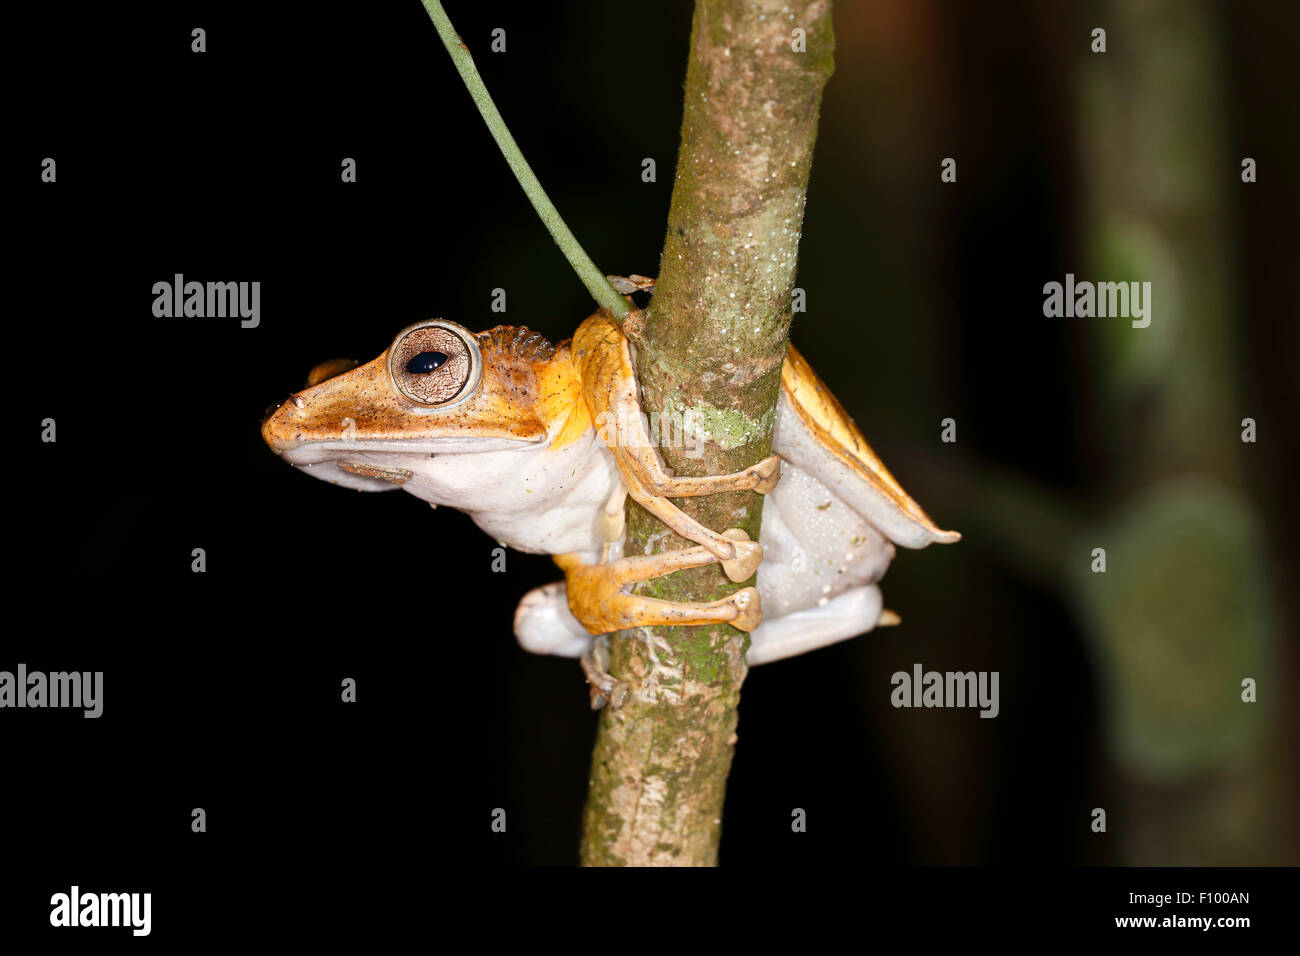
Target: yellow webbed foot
{"points": [[597, 598], [748, 556]]}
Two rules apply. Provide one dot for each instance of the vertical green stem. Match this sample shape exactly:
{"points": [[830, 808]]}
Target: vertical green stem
{"points": [[595, 281]]}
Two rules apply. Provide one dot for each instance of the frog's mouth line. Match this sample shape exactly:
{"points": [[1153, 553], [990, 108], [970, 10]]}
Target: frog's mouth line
{"points": [[318, 452]]}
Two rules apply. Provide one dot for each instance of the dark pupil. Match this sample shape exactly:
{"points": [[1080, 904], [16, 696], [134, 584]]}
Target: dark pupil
{"points": [[425, 362]]}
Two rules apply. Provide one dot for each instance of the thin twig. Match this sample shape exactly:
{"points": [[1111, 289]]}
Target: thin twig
{"points": [[591, 277]]}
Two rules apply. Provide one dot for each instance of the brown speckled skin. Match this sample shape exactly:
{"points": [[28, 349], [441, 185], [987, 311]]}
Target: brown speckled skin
{"points": [[506, 404]]}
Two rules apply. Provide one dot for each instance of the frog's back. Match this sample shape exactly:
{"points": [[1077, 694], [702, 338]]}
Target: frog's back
{"points": [[814, 433]]}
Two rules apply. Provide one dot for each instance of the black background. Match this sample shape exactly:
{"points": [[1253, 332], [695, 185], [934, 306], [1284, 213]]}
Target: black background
{"points": [[222, 689]]}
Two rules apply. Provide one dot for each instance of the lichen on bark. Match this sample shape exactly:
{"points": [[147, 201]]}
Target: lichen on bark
{"points": [[709, 350]]}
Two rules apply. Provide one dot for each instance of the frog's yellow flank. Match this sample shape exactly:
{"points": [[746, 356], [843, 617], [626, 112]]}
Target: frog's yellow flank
{"points": [[826, 418]]}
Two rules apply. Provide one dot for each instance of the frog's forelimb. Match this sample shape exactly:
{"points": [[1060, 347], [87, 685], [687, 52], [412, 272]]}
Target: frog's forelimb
{"points": [[637, 454], [611, 393]]}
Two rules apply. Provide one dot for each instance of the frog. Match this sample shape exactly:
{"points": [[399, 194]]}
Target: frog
{"points": [[542, 444]]}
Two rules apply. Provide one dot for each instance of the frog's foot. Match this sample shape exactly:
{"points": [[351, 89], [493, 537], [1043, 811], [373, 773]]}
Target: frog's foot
{"points": [[604, 688], [767, 473], [749, 555], [633, 283], [597, 599]]}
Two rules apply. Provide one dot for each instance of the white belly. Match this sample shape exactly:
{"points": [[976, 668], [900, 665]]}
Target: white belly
{"points": [[543, 503], [834, 549]]}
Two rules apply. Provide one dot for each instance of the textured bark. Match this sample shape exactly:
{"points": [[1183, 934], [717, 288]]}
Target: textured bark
{"points": [[709, 353]]}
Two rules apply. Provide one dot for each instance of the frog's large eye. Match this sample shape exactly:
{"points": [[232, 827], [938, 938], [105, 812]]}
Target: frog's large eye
{"points": [[434, 364]]}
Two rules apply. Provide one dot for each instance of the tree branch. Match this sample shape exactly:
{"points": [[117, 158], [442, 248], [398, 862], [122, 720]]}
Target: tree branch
{"points": [[709, 353]]}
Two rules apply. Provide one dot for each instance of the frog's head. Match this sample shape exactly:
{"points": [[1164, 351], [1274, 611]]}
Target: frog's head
{"points": [[439, 391]]}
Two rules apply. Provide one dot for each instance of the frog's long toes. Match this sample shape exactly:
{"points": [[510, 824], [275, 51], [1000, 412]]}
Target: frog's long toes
{"points": [[750, 607], [603, 687], [768, 473], [748, 556], [614, 694], [617, 694]]}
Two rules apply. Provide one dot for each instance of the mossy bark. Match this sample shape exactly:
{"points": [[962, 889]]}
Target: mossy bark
{"points": [[709, 354]]}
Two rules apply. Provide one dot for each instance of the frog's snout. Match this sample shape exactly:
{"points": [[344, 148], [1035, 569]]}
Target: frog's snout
{"points": [[277, 431], [319, 410]]}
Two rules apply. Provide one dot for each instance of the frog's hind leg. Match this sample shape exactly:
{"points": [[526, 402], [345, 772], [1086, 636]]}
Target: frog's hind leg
{"points": [[545, 625], [846, 615], [560, 618], [612, 397], [598, 600]]}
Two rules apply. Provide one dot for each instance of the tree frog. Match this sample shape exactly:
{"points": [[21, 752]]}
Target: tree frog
{"points": [[541, 444]]}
